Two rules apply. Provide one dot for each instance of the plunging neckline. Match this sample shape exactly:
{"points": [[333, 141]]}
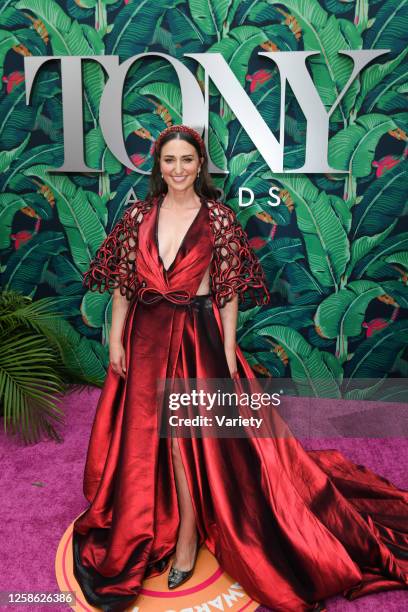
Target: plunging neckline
{"points": [[156, 234]]}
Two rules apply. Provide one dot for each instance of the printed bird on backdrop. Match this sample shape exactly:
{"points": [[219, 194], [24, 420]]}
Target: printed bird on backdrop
{"points": [[13, 79]]}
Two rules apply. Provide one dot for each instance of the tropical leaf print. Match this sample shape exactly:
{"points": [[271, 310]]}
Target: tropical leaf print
{"points": [[334, 248]]}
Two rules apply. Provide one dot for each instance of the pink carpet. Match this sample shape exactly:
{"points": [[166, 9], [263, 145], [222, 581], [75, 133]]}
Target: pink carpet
{"points": [[42, 494]]}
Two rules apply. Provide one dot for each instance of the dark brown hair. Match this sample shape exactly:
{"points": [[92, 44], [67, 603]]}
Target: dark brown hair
{"points": [[203, 185]]}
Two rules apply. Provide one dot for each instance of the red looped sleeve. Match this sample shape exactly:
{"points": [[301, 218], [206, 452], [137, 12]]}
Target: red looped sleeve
{"points": [[235, 269], [114, 263]]}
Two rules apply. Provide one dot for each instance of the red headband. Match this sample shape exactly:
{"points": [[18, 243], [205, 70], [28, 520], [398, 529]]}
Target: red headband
{"points": [[181, 128]]}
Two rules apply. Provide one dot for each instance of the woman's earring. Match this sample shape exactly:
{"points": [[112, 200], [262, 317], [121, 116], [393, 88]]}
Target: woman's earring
{"points": [[162, 175]]}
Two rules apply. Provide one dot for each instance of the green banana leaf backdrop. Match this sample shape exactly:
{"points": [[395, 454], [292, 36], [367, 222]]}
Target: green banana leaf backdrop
{"points": [[335, 249]]}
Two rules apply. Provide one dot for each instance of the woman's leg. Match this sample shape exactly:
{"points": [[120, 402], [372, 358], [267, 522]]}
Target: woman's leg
{"points": [[187, 534]]}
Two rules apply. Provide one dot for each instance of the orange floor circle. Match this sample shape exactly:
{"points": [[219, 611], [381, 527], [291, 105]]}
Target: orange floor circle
{"points": [[209, 588]]}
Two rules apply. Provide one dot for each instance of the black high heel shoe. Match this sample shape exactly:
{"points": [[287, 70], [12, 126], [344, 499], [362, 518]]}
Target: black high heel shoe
{"points": [[176, 577]]}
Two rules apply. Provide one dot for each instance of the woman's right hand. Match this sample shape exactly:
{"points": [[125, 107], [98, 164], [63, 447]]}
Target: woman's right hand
{"points": [[117, 358]]}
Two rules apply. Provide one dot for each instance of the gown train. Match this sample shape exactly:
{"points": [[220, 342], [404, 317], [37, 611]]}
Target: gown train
{"points": [[291, 526]]}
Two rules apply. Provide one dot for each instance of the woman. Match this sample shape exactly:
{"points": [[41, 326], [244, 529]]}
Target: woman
{"points": [[292, 527]]}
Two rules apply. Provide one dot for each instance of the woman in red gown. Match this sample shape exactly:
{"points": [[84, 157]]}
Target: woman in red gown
{"points": [[291, 526]]}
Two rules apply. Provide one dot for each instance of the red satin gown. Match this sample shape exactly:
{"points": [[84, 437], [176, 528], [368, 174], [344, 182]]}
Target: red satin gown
{"points": [[291, 526]]}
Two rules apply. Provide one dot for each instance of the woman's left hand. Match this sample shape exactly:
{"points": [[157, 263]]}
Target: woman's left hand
{"points": [[231, 357]]}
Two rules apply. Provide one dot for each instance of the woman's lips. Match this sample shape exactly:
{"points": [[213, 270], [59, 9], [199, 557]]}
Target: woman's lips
{"points": [[178, 179]]}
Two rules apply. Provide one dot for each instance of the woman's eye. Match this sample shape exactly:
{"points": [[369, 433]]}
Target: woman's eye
{"points": [[189, 159]]}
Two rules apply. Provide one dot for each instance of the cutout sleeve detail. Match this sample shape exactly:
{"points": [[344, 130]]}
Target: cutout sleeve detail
{"points": [[235, 269], [114, 263]]}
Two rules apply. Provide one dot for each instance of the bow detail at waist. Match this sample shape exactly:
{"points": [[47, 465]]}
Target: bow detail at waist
{"points": [[151, 295]]}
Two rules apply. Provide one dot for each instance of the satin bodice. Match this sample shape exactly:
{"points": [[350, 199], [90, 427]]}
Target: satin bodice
{"points": [[129, 258], [181, 281]]}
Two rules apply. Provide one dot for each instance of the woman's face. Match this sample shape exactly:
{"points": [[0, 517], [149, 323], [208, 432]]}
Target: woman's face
{"points": [[179, 164]]}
